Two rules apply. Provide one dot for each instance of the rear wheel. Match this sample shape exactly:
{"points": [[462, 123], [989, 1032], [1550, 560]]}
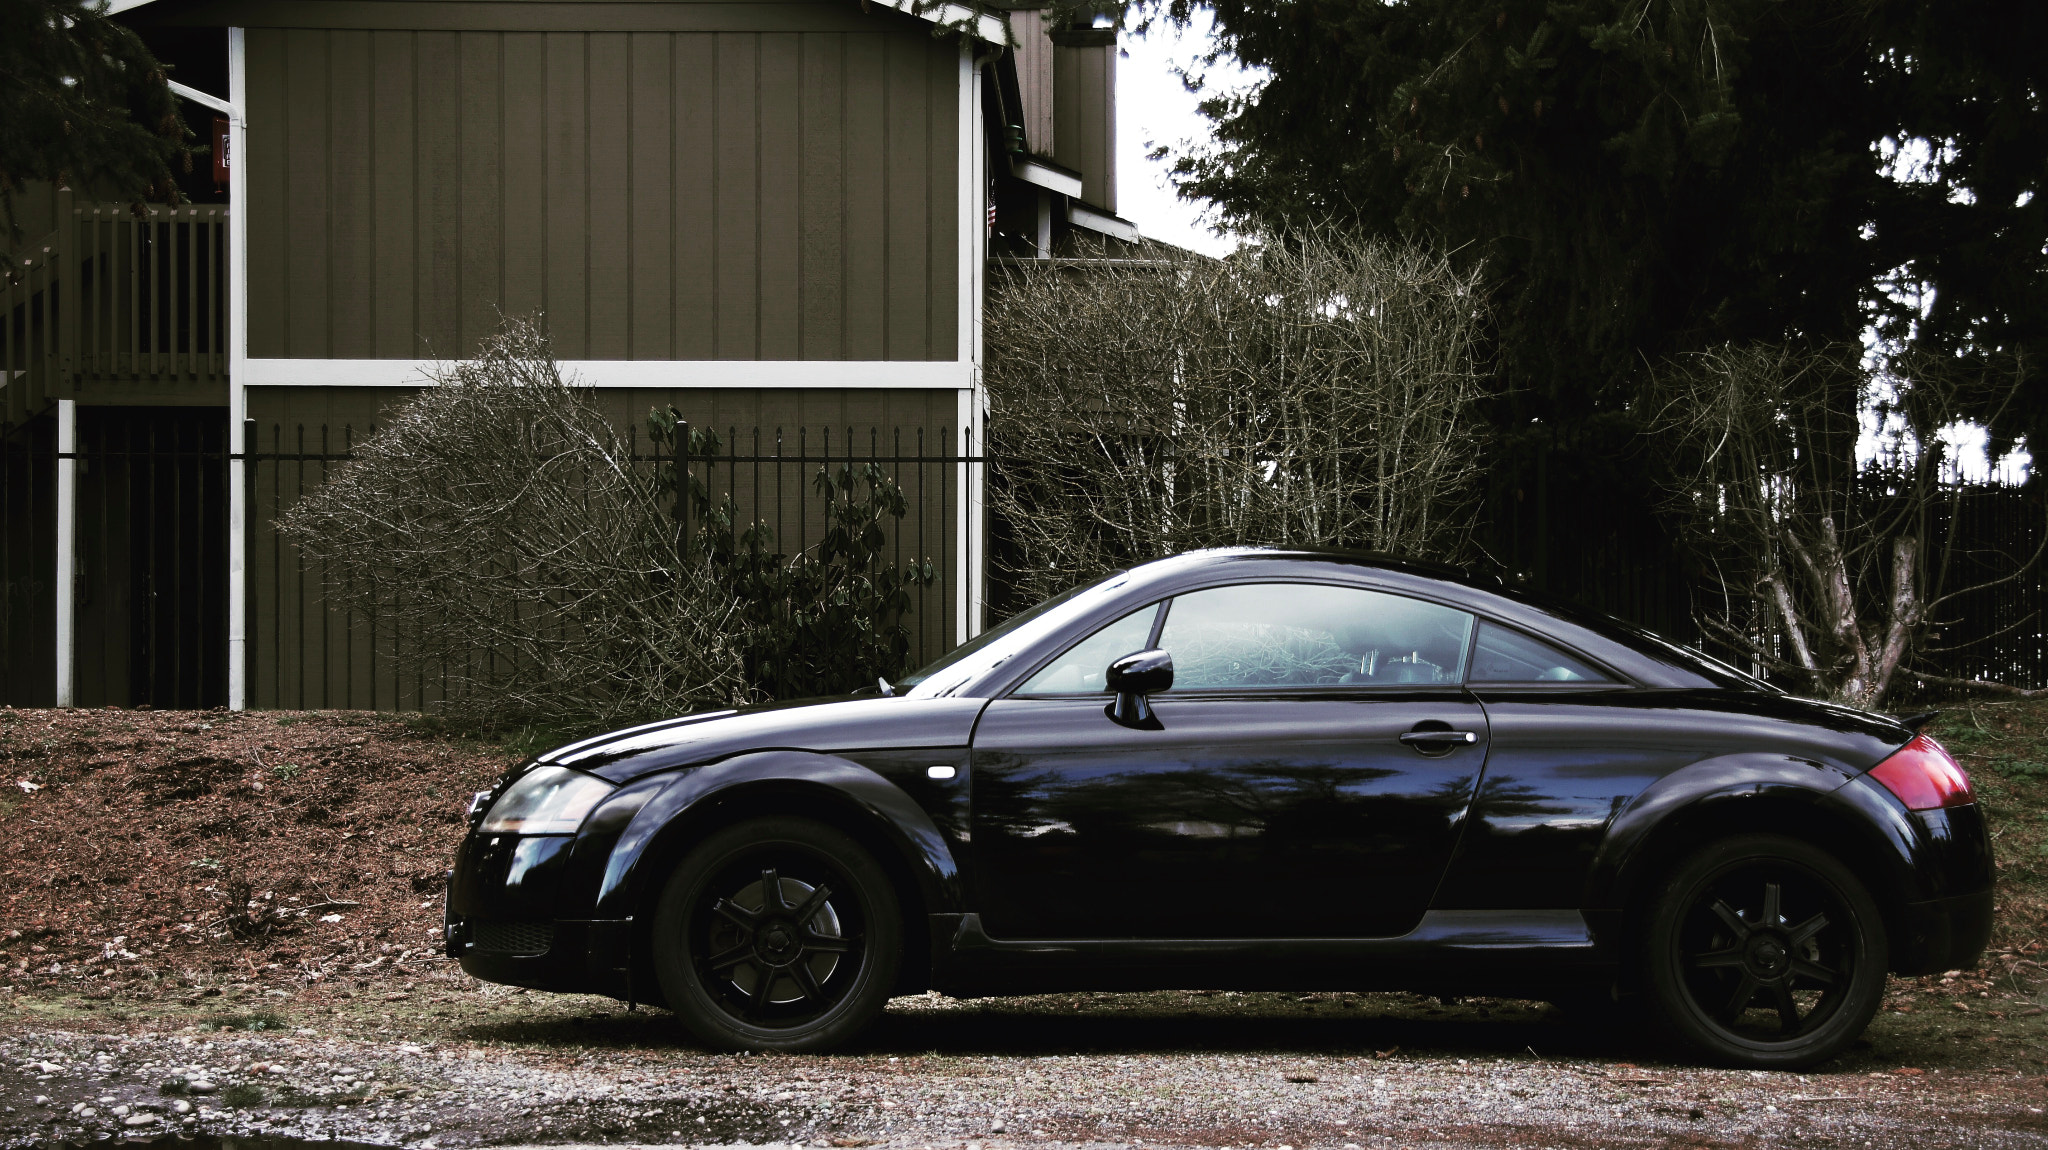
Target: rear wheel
{"points": [[1764, 951], [777, 934]]}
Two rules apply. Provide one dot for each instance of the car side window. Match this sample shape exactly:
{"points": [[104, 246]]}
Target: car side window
{"points": [[1504, 656], [1281, 636], [1080, 668]]}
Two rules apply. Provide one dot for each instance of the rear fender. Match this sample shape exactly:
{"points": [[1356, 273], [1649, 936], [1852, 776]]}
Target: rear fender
{"points": [[1764, 792], [693, 802]]}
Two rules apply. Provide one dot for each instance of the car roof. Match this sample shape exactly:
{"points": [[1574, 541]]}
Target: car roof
{"points": [[1633, 651]]}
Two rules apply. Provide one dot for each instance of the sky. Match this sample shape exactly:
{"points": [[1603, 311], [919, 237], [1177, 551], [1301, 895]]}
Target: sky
{"points": [[1154, 108]]}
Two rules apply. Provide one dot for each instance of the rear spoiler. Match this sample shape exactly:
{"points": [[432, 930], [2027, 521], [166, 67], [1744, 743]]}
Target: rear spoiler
{"points": [[1917, 721]]}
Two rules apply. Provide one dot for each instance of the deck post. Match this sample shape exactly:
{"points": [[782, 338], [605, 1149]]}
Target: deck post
{"points": [[67, 550], [238, 362], [973, 240]]}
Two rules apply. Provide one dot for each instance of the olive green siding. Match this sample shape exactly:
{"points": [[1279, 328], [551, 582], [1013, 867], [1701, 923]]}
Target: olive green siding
{"points": [[304, 655], [660, 195], [1084, 99]]}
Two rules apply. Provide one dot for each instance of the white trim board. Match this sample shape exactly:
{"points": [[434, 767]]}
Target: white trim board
{"points": [[238, 371], [198, 97], [989, 27], [1047, 175], [690, 373], [67, 553], [1096, 220]]}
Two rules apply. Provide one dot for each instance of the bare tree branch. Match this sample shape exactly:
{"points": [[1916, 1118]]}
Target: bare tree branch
{"points": [[498, 531], [1315, 390], [1763, 446]]}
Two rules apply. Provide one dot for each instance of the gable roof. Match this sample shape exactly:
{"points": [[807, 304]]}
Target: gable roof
{"points": [[944, 13]]}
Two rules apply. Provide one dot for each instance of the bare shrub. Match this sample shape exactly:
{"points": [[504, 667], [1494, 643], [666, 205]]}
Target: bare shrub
{"points": [[497, 531], [1827, 571], [1316, 390]]}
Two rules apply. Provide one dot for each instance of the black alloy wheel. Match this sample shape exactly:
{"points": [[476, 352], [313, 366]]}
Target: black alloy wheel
{"points": [[1765, 951], [777, 934]]}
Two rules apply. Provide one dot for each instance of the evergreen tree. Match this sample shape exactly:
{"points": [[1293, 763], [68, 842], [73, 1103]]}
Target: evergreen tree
{"points": [[82, 101], [1647, 177]]}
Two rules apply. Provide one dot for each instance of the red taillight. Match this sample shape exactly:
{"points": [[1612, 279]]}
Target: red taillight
{"points": [[1924, 777]]}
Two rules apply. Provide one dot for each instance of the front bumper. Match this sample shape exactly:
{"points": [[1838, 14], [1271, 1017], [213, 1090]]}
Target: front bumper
{"points": [[511, 917], [582, 956]]}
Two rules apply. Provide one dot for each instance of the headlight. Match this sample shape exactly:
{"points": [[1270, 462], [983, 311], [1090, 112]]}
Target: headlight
{"points": [[546, 801]]}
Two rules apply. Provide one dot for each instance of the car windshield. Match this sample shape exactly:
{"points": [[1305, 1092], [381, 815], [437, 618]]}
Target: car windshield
{"points": [[993, 646]]}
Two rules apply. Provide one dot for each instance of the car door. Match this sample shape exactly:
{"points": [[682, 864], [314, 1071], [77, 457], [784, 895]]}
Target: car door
{"points": [[1307, 776]]}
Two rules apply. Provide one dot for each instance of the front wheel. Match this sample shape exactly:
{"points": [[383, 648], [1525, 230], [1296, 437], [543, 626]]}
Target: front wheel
{"points": [[777, 934], [1763, 951]]}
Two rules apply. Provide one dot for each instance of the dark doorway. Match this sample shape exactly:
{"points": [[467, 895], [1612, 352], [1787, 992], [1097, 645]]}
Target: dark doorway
{"points": [[28, 557], [152, 557]]}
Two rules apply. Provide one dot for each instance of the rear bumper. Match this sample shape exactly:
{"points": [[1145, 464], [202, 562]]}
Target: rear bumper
{"points": [[1941, 934], [1948, 924]]}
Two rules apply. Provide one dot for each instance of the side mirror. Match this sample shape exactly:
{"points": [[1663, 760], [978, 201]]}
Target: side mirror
{"points": [[1132, 678]]}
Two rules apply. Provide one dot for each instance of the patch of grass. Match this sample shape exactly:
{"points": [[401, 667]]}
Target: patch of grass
{"points": [[523, 742], [242, 1096], [2022, 768], [286, 771], [253, 1020], [532, 739]]}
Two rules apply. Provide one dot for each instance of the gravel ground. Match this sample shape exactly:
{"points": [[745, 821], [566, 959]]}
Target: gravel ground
{"points": [[1249, 1071]]}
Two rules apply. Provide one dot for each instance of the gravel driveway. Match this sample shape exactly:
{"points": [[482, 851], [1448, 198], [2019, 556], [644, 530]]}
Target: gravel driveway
{"points": [[1240, 1071]]}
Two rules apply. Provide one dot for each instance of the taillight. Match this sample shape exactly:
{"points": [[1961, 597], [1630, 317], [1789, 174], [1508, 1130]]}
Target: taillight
{"points": [[1924, 777]]}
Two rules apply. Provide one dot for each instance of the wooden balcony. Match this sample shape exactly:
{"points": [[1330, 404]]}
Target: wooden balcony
{"points": [[115, 308]]}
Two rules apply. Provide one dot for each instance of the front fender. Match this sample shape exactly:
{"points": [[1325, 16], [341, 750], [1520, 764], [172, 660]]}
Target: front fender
{"points": [[1797, 789], [660, 831]]}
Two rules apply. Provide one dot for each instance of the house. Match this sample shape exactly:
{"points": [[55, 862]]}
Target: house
{"points": [[774, 217]]}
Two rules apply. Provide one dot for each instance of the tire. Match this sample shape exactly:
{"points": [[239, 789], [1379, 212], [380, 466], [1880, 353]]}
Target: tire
{"points": [[1764, 952], [742, 975]]}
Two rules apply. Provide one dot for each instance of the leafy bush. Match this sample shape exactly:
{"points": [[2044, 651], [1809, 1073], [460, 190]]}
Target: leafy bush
{"points": [[825, 621]]}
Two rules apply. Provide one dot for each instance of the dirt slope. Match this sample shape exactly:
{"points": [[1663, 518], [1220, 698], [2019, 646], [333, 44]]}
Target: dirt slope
{"points": [[145, 846]]}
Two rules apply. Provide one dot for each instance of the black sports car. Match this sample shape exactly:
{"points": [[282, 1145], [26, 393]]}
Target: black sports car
{"points": [[1249, 769]]}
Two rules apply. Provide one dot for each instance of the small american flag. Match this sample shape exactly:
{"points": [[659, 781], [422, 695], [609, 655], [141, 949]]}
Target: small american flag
{"points": [[991, 216]]}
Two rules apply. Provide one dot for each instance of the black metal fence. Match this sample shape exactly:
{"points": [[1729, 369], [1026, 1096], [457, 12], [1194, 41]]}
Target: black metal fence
{"points": [[305, 654], [150, 577]]}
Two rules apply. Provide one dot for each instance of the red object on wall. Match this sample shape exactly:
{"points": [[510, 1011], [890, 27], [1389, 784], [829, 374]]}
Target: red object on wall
{"points": [[220, 150]]}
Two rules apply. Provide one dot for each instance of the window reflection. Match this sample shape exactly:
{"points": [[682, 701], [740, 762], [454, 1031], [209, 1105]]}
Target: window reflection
{"points": [[1289, 635], [1083, 666]]}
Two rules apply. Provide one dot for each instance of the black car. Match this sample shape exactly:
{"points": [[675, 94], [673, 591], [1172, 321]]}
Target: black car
{"points": [[1249, 769]]}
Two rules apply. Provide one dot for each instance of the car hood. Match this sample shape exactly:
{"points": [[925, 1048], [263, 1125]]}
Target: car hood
{"points": [[824, 725]]}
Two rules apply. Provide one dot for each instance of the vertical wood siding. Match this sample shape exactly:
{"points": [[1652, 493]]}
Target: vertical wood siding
{"points": [[302, 654], [661, 195]]}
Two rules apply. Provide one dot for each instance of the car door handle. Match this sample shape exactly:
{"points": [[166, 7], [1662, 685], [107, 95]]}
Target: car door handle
{"points": [[1438, 740]]}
